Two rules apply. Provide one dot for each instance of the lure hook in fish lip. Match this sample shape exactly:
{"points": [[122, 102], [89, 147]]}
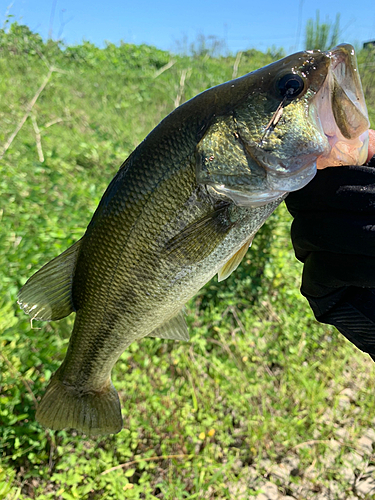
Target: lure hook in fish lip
{"points": [[342, 111]]}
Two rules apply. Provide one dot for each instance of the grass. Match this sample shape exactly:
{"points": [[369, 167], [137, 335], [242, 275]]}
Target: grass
{"points": [[259, 382]]}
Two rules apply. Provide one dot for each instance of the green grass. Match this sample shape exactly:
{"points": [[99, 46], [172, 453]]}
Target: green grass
{"points": [[259, 378]]}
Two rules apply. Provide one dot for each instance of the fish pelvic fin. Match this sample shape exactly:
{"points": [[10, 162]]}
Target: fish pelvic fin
{"points": [[47, 295], [234, 261], [92, 413]]}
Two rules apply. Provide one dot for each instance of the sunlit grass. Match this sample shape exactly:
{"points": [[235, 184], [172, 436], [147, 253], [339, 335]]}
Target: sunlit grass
{"points": [[260, 379]]}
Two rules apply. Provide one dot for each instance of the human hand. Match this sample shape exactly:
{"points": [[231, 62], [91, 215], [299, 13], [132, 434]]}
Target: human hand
{"points": [[333, 234]]}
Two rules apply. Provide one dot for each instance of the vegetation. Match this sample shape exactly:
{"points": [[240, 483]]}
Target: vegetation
{"points": [[260, 378], [322, 36]]}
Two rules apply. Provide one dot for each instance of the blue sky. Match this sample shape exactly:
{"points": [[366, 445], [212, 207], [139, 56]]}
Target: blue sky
{"points": [[243, 24]]}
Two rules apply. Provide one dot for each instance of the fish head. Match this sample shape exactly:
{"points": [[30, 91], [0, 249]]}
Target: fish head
{"points": [[304, 112]]}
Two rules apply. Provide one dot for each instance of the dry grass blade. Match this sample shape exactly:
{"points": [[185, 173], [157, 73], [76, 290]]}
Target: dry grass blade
{"points": [[236, 64], [148, 459], [38, 139], [164, 68], [26, 115], [53, 122], [181, 89], [310, 442]]}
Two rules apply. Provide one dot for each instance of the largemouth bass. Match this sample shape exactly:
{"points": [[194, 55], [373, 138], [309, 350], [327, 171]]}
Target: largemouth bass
{"points": [[183, 207]]}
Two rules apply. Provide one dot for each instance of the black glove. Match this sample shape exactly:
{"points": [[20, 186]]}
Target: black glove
{"points": [[333, 234]]}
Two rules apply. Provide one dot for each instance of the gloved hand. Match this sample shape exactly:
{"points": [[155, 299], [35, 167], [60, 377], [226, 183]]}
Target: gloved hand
{"points": [[333, 234]]}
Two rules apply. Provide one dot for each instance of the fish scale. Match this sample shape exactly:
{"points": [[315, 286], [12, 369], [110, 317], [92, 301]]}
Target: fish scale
{"points": [[184, 206]]}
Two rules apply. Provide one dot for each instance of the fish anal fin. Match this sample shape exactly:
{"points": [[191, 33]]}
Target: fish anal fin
{"points": [[93, 412], [175, 329], [234, 261], [47, 295]]}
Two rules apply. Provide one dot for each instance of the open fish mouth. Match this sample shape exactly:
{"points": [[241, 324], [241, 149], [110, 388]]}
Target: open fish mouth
{"points": [[341, 108]]}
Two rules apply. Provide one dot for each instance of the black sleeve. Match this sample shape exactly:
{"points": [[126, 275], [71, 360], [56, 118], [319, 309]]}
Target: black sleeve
{"points": [[333, 234]]}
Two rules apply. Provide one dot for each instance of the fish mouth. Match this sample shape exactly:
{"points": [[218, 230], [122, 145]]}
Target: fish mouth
{"points": [[341, 108]]}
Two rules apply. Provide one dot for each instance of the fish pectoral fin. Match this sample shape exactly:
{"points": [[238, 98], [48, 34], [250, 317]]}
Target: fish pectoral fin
{"points": [[234, 261], [174, 329], [199, 239], [47, 295]]}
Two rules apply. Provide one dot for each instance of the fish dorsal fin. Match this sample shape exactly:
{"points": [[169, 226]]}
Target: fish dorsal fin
{"points": [[47, 295], [234, 261], [175, 329], [200, 238]]}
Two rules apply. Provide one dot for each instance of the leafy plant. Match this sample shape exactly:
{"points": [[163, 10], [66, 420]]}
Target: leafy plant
{"points": [[259, 374], [322, 36]]}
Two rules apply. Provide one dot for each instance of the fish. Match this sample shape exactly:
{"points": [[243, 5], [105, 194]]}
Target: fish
{"points": [[183, 207]]}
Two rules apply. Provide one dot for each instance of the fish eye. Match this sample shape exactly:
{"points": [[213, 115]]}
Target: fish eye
{"points": [[290, 85]]}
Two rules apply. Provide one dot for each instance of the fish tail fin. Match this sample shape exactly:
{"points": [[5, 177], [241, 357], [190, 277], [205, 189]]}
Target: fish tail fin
{"points": [[93, 412]]}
